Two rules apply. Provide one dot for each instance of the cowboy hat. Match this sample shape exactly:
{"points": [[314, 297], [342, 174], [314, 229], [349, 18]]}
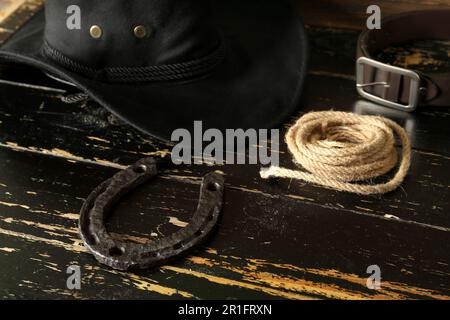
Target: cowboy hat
{"points": [[160, 65]]}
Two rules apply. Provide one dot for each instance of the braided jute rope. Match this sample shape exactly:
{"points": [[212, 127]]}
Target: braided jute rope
{"points": [[339, 149]]}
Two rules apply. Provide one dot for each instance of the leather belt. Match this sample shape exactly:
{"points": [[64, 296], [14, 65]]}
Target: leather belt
{"points": [[397, 87]]}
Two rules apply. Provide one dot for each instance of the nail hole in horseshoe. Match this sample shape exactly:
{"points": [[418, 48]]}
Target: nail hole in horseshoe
{"points": [[213, 186], [141, 169], [116, 251]]}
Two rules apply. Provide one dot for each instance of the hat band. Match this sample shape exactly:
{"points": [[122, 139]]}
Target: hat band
{"points": [[169, 72]]}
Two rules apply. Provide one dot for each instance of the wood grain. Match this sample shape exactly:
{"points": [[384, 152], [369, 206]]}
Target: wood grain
{"points": [[265, 247], [7, 7], [351, 14], [14, 13]]}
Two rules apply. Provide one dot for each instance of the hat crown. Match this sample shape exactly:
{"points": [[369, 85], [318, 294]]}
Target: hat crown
{"points": [[130, 33]]}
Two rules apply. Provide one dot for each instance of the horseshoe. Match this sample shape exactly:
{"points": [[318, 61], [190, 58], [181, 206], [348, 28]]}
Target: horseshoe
{"points": [[123, 255]]}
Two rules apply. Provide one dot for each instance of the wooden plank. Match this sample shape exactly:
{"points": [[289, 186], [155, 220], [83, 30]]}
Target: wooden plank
{"points": [[7, 7], [348, 14], [351, 14], [276, 240], [265, 247], [14, 14]]}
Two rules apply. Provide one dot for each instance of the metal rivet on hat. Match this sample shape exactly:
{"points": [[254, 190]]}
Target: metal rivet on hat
{"points": [[96, 32], [141, 32]]}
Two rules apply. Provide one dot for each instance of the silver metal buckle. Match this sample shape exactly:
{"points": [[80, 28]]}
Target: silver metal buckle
{"points": [[360, 85]]}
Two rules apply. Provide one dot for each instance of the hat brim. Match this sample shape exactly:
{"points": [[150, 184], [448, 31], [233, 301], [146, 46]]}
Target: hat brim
{"points": [[258, 85]]}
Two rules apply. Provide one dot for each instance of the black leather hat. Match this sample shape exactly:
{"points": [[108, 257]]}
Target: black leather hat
{"points": [[162, 64]]}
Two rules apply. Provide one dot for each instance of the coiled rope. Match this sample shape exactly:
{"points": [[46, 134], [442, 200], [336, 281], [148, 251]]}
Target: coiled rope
{"points": [[338, 149]]}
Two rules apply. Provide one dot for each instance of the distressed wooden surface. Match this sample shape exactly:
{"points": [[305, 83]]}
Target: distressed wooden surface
{"points": [[343, 14], [282, 239], [13, 13], [351, 14]]}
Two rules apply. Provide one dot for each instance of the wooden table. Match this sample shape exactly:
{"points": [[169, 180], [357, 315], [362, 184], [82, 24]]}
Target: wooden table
{"points": [[283, 239]]}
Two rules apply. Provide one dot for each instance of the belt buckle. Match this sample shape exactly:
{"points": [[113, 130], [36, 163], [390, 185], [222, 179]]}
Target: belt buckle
{"points": [[413, 76]]}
